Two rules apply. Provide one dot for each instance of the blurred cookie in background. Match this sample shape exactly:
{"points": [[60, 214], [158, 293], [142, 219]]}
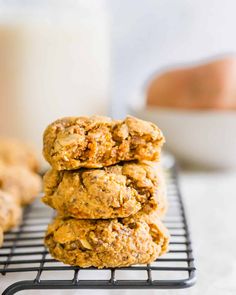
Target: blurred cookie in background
{"points": [[15, 152], [10, 212], [1, 236], [20, 182]]}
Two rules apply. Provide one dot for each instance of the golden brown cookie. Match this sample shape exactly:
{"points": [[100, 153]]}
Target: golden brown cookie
{"points": [[114, 191], [107, 243], [93, 142], [1, 236], [10, 211], [20, 182], [14, 152], [159, 202]]}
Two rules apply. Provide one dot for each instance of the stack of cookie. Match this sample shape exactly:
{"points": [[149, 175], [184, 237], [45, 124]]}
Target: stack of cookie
{"points": [[19, 181], [109, 199]]}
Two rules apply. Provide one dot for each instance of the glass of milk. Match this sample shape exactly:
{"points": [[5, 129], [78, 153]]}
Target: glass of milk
{"points": [[54, 62]]}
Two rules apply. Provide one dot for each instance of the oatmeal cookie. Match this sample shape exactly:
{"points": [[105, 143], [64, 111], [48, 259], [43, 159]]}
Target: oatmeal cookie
{"points": [[94, 142], [10, 211], [20, 182], [109, 192], [158, 202], [1, 236], [107, 243], [14, 152]]}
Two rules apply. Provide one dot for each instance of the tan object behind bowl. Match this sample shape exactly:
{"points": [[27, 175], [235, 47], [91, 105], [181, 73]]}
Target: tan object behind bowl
{"points": [[207, 86]]}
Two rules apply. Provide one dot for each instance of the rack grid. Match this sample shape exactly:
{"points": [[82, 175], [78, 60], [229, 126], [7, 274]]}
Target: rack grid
{"points": [[23, 251]]}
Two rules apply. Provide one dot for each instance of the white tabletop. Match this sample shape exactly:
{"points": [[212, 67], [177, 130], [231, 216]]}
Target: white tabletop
{"points": [[210, 201]]}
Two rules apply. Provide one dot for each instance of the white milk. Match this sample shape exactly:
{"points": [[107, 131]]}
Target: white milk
{"points": [[54, 62]]}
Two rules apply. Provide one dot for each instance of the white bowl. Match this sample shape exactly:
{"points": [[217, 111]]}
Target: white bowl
{"points": [[202, 138]]}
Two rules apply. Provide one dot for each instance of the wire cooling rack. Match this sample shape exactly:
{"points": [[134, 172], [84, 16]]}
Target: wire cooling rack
{"points": [[23, 251]]}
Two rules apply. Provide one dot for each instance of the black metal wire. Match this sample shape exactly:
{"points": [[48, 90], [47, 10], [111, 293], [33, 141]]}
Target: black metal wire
{"points": [[173, 271]]}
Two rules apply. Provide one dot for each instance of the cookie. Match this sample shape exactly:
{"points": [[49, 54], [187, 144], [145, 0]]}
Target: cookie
{"points": [[14, 152], [94, 142], [1, 236], [10, 212], [20, 182], [107, 243], [159, 201], [110, 192]]}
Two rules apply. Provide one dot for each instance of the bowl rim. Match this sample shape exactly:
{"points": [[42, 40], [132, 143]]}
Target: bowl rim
{"points": [[154, 109]]}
